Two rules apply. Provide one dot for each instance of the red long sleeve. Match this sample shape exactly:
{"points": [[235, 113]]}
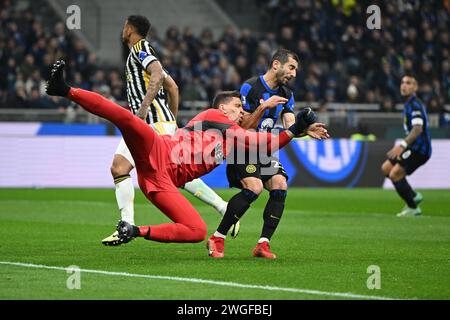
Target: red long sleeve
{"points": [[253, 141]]}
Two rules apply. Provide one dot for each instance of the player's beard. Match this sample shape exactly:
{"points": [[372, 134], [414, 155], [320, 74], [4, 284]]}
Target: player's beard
{"points": [[282, 78], [125, 39], [406, 95]]}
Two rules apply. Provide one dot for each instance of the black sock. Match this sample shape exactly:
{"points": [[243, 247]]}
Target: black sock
{"points": [[236, 208], [406, 192], [273, 212], [135, 233]]}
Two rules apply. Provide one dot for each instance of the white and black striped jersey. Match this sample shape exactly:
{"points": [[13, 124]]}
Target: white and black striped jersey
{"points": [[138, 79]]}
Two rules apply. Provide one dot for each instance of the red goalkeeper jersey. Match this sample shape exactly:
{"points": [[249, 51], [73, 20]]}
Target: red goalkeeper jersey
{"points": [[208, 138]]}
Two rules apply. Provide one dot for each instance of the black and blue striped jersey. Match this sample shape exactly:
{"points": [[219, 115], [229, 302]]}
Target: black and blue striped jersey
{"points": [[255, 91], [414, 113]]}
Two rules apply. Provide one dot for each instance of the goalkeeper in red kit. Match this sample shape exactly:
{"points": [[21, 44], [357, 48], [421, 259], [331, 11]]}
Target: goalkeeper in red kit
{"points": [[165, 162]]}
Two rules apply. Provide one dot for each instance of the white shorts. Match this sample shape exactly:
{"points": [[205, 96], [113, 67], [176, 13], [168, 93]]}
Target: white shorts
{"points": [[160, 127]]}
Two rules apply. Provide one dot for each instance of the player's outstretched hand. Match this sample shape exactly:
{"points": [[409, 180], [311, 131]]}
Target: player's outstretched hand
{"points": [[273, 101], [305, 118], [317, 131], [395, 152], [307, 115]]}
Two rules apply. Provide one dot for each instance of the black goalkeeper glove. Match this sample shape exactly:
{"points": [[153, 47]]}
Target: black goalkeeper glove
{"points": [[304, 119]]}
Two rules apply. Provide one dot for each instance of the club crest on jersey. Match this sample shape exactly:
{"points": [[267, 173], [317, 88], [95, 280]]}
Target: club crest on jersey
{"points": [[250, 168], [267, 123], [406, 154], [142, 55]]}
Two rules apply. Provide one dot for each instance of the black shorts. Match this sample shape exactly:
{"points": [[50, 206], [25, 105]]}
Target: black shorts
{"points": [[264, 172], [410, 160]]}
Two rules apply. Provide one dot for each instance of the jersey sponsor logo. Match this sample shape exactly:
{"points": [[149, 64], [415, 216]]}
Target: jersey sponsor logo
{"points": [[142, 55], [250, 168], [330, 160]]}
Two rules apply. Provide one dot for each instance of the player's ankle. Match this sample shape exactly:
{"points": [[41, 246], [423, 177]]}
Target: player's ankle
{"points": [[217, 234]]}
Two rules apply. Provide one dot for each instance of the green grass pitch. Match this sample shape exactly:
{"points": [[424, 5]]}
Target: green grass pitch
{"points": [[325, 242]]}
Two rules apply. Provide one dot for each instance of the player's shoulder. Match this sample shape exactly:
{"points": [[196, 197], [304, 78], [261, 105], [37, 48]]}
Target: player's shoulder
{"points": [[286, 92], [143, 46], [216, 115], [416, 103], [214, 118], [213, 114], [249, 85], [419, 102], [252, 81]]}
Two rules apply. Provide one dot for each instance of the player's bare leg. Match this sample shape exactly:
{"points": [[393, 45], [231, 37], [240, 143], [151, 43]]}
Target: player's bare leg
{"points": [[386, 168]]}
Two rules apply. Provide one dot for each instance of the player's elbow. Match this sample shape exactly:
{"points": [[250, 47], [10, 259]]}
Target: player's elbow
{"points": [[156, 72], [174, 86], [174, 89], [158, 75]]}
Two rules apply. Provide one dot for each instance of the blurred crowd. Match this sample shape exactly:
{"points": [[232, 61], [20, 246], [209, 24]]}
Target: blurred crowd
{"points": [[341, 60], [30, 41]]}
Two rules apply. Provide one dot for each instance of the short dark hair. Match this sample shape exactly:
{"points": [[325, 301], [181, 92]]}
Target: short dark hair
{"points": [[224, 97], [283, 55], [140, 23], [410, 75]]}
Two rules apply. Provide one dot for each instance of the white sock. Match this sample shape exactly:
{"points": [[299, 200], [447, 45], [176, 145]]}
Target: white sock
{"points": [[263, 240], [125, 199], [200, 190], [217, 234]]}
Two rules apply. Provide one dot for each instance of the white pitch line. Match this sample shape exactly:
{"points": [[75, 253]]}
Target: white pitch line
{"points": [[204, 281]]}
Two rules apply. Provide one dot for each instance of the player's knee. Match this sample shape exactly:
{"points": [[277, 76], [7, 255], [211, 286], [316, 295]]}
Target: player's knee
{"points": [[119, 170], [396, 175], [279, 183], [120, 167], [393, 176], [200, 231], [385, 168], [254, 185]]}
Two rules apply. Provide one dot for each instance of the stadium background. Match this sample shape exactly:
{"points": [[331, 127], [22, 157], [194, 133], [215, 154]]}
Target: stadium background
{"points": [[350, 74]]}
